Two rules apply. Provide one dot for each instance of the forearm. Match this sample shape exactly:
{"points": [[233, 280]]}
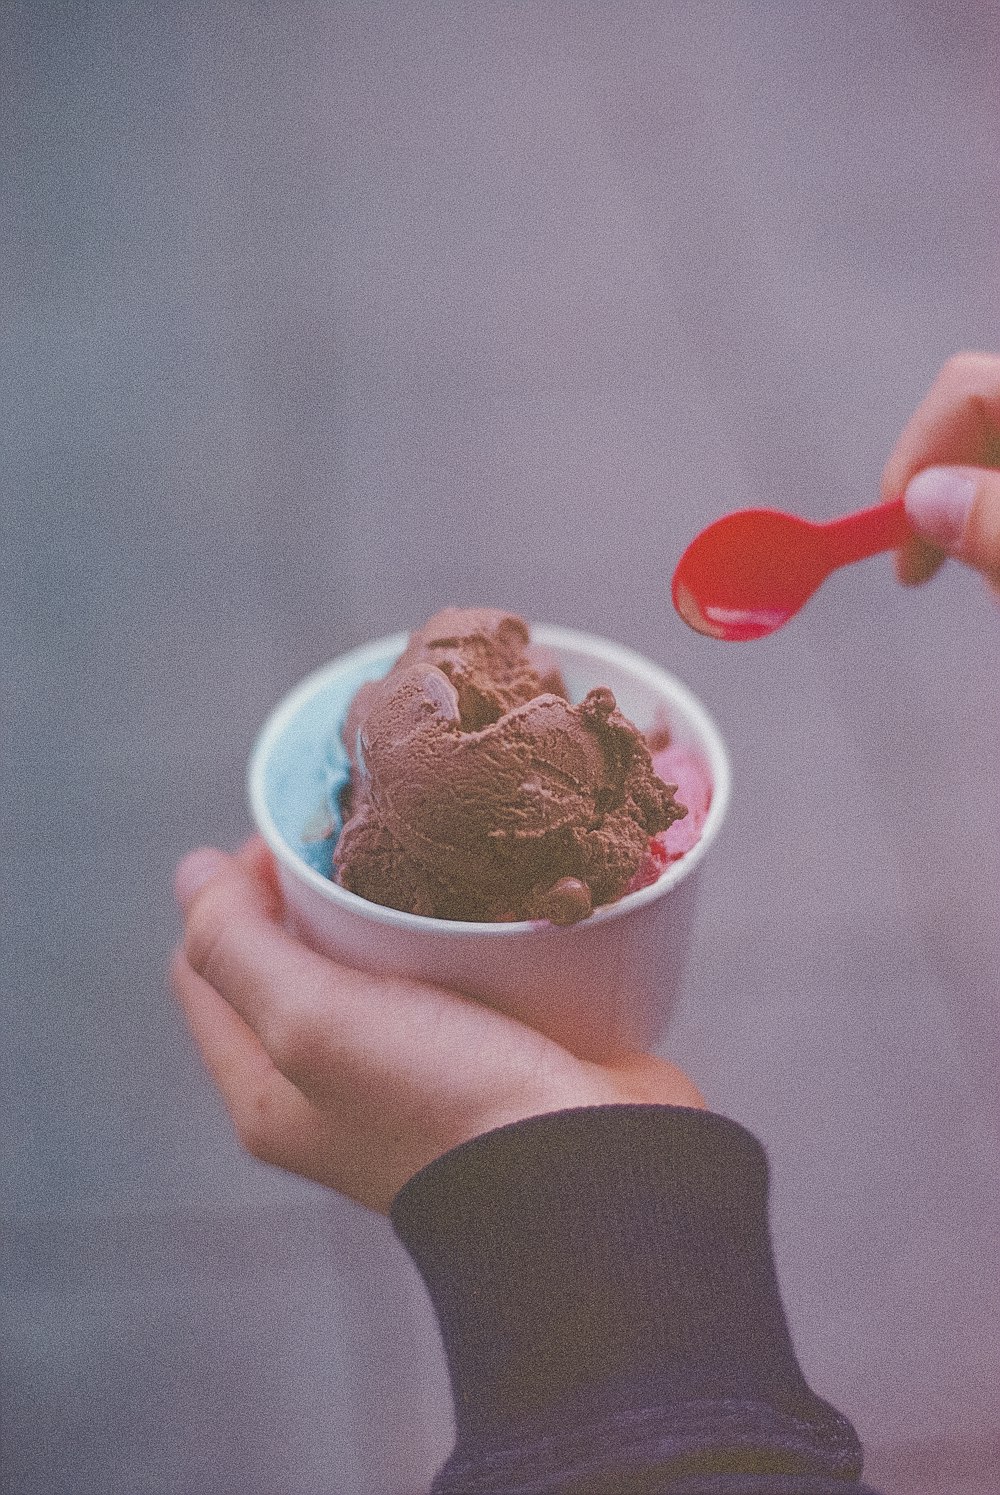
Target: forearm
{"points": [[607, 1298]]}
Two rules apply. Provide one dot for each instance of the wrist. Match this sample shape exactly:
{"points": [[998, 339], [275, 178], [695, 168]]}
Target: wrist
{"points": [[598, 1276], [631, 1080]]}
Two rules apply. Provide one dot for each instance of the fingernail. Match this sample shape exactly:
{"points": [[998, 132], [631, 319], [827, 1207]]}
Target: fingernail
{"points": [[196, 869], [938, 502]]}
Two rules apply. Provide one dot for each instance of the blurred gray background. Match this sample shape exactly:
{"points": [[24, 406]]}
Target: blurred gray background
{"points": [[318, 317]]}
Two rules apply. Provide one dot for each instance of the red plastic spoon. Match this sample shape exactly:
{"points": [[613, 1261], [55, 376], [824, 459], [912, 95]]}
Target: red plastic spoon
{"points": [[749, 572]]}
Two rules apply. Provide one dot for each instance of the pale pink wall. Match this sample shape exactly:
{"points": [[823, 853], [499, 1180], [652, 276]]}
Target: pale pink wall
{"points": [[323, 316]]}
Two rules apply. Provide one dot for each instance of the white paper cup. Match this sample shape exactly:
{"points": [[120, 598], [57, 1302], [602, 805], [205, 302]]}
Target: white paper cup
{"points": [[600, 986]]}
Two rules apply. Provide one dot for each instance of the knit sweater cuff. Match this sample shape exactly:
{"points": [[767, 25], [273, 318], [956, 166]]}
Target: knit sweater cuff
{"points": [[610, 1268]]}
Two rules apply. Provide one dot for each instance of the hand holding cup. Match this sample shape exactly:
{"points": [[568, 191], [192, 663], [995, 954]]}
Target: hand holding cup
{"points": [[353, 1080]]}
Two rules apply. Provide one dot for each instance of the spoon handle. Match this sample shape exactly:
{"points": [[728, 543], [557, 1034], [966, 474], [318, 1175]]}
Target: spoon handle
{"points": [[857, 536]]}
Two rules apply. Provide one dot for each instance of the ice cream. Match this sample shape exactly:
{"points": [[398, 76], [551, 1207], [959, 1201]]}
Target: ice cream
{"points": [[687, 771], [477, 791]]}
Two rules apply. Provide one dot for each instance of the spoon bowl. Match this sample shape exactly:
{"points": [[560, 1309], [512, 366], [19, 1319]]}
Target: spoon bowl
{"points": [[751, 571]]}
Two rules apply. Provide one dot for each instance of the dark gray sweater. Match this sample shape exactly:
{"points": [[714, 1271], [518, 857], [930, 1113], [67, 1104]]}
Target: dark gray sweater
{"points": [[605, 1287]]}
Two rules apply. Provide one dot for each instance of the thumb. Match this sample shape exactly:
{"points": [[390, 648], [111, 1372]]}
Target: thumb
{"points": [[958, 510]]}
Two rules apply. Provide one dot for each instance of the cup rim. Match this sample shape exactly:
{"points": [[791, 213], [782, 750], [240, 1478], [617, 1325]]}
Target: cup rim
{"points": [[552, 636]]}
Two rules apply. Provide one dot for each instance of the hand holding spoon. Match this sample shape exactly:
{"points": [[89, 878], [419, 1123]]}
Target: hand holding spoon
{"points": [[749, 572]]}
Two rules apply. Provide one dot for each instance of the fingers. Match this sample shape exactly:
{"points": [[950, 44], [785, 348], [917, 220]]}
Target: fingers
{"points": [[943, 464], [344, 1038], [234, 942], [956, 424], [957, 510], [273, 1120], [979, 545], [354, 1079], [351, 1079], [917, 561]]}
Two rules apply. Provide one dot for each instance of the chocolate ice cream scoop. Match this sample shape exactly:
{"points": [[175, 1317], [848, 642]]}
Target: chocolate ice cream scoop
{"points": [[478, 792], [487, 656]]}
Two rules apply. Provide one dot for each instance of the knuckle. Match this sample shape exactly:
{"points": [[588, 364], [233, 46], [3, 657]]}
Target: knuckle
{"points": [[256, 1124], [251, 1137], [968, 365], [959, 361], [293, 1039]]}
